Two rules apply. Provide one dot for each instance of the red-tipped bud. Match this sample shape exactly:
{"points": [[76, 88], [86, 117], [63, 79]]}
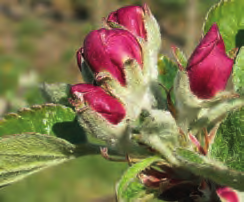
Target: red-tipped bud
{"points": [[107, 50], [101, 102], [227, 194], [132, 18], [209, 67]]}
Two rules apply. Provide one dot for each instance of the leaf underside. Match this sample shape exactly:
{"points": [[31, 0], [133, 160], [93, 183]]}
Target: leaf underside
{"points": [[212, 170], [25, 154], [229, 142]]}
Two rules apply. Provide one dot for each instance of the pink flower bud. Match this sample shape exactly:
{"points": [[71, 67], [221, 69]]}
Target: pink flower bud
{"points": [[227, 194], [109, 107], [107, 50], [132, 18], [209, 67]]}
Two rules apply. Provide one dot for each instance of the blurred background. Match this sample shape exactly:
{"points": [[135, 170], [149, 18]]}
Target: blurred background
{"points": [[38, 42]]}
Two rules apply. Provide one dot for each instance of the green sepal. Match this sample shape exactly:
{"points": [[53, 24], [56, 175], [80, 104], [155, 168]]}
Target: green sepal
{"points": [[165, 128], [180, 57], [186, 103], [114, 25], [153, 31], [189, 106], [97, 126], [150, 46], [215, 114], [138, 87], [86, 72], [53, 119]]}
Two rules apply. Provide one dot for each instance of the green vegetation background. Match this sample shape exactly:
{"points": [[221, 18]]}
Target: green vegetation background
{"points": [[38, 41]]}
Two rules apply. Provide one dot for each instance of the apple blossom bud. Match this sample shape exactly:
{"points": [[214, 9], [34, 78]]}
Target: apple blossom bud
{"points": [[107, 50], [132, 18], [101, 102], [209, 67], [227, 194]]}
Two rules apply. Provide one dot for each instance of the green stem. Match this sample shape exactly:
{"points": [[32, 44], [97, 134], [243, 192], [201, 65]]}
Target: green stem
{"points": [[93, 149]]}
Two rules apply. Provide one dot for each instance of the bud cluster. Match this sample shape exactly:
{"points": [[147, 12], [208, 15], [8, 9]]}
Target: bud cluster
{"points": [[119, 68], [120, 94]]}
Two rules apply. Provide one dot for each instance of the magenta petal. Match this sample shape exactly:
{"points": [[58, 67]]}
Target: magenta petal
{"points": [[131, 17], [109, 107], [83, 88], [107, 50], [96, 56], [209, 67], [228, 194], [207, 44], [121, 45]]}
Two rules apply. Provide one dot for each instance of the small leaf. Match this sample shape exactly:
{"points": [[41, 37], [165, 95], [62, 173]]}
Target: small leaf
{"points": [[212, 170], [57, 93], [22, 155], [167, 71], [228, 14], [180, 57], [238, 72], [51, 119], [130, 177]]}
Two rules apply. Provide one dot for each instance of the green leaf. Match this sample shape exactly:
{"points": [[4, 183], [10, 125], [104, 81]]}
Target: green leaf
{"points": [[22, 155], [167, 71], [56, 120], [57, 93], [128, 180], [204, 167], [134, 190], [229, 142], [190, 155], [238, 72], [228, 14]]}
